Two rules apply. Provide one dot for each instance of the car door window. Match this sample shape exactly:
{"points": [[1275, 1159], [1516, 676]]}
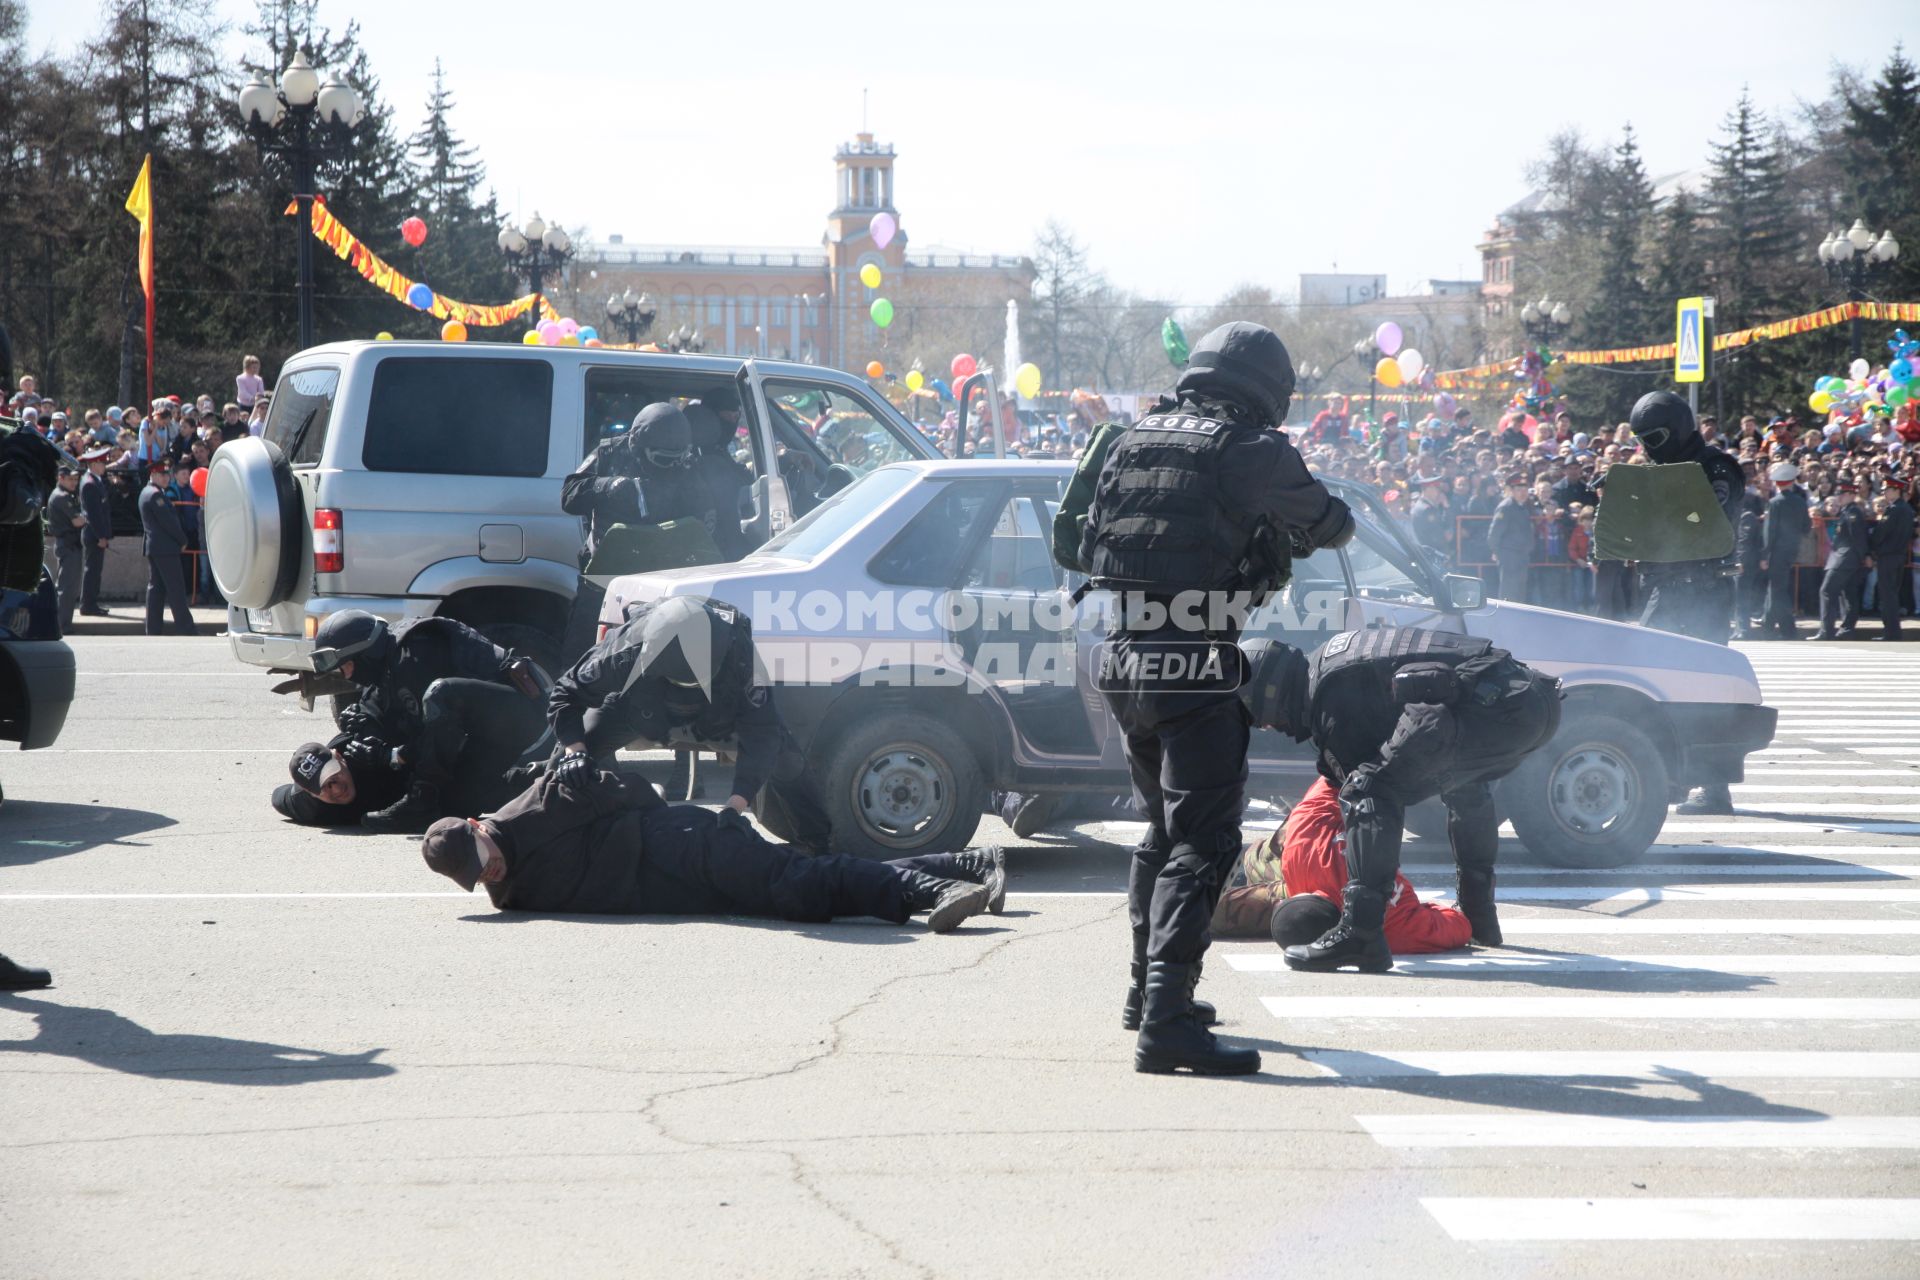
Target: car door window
{"points": [[848, 431], [1382, 570], [933, 549]]}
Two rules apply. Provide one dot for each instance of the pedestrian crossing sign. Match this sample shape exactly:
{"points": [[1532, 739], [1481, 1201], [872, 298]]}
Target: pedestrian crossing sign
{"points": [[1691, 341]]}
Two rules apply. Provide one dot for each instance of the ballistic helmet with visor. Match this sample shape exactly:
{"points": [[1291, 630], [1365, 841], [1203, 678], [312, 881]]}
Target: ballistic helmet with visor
{"points": [[1663, 423], [662, 434], [344, 636], [1244, 364]]}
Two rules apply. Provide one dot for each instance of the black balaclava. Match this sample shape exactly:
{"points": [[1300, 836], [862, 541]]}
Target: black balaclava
{"points": [[662, 436]]}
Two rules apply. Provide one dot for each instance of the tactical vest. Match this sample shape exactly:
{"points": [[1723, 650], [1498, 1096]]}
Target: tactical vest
{"points": [[1384, 649], [1165, 525]]}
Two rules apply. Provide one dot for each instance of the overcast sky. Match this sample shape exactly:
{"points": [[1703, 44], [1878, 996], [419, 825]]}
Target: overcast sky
{"points": [[1191, 147]]}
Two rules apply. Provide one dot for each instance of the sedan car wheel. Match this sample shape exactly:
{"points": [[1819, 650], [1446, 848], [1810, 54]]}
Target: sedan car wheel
{"points": [[902, 784], [1596, 796]]}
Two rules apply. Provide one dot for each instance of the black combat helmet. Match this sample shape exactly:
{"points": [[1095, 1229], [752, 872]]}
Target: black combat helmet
{"points": [[1276, 688], [351, 634], [686, 642], [1245, 364], [1662, 422], [662, 435]]}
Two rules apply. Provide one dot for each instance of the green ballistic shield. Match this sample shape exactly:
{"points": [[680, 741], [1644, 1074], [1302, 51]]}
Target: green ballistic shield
{"points": [[1660, 515]]}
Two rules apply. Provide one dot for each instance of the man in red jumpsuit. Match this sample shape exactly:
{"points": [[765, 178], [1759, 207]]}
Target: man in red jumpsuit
{"points": [[1304, 901]]}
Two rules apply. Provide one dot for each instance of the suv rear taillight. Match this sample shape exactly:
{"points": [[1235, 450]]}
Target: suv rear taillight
{"points": [[329, 553]]}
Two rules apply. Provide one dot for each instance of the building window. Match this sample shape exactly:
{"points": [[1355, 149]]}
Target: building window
{"points": [[776, 310], [811, 318], [682, 307], [747, 307], [716, 308]]}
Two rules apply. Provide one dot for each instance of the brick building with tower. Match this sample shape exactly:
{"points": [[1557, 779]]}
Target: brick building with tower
{"points": [[809, 304]]}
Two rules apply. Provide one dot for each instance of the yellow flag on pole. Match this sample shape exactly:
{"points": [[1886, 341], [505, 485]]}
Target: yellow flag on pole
{"points": [[140, 205]]}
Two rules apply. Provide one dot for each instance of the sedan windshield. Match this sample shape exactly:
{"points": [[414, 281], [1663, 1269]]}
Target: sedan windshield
{"points": [[827, 523]]}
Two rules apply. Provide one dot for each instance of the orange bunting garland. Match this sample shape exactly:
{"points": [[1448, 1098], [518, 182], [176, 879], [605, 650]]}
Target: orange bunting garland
{"points": [[330, 231]]}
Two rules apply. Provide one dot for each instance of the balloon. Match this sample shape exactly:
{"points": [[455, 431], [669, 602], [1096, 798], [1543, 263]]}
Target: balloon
{"points": [[593, 342], [551, 338], [1445, 405], [915, 380], [414, 232], [875, 369], [531, 338], [568, 325], [198, 482], [1411, 363], [963, 366], [870, 276], [1820, 402], [420, 297], [1026, 380], [588, 333], [383, 336], [881, 311], [549, 331], [1386, 373], [882, 229], [569, 340], [1859, 368], [1901, 371], [1898, 396], [1389, 338], [946, 392], [453, 331]]}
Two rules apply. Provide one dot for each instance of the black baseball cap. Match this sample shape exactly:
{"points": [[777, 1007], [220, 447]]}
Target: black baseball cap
{"points": [[311, 766], [450, 848]]}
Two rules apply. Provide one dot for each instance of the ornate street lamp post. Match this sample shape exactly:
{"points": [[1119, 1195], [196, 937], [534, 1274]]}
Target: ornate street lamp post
{"points": [[535, 251], [1848, 256]]}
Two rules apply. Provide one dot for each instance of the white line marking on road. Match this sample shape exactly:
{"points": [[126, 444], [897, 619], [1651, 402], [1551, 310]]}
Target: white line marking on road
{"points": [[1652, 870], [1780, 827], [1598, 894], [1652, 1065], [1680, 1005], [1490, 962], [1900, 1133], [1537, 926], [165, 751], [187, 897], [1747, 790], [1513, 1218]]}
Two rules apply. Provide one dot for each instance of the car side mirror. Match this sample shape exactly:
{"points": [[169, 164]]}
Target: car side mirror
{"points": [[1465, 592]]}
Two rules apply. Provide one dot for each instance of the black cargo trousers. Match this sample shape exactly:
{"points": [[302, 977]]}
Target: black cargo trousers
{"points": [[1185, 738], [697, 863], [1455, 752], [472, 732]]}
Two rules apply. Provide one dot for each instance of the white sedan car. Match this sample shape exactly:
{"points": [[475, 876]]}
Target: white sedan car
{"points": [[925, 651]]}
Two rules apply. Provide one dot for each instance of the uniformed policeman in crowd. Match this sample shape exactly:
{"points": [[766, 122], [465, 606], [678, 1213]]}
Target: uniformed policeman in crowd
{"points": [[1432, 518], [64, 523], [1692, 597], [1889, 543], [582, 841], [1203, 504], [683, 672], [96, 509], [447, 699], [1787, 525], [1399, 714], [1846, 567], [641, 476], [722, 486]]}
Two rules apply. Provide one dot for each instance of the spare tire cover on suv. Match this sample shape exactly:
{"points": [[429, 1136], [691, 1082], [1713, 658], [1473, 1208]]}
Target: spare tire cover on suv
{"points": [[254, 524]]}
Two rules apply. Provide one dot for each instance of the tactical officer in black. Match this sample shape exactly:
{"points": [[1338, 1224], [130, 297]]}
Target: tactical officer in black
{"points": [[1400, 714], [1692, 597], [1200, 504], [721, 485], [682, 672], [450, 702], [640, 477]]}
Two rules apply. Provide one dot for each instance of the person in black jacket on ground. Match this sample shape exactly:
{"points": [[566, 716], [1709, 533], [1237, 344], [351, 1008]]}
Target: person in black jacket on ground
{"points": [[449, 701], [598, 843], [683, 672], [339, 782]]}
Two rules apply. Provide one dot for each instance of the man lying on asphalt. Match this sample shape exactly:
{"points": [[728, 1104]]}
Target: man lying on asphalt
{"points": [[1288, 887], [601, 844], [338, 783]]}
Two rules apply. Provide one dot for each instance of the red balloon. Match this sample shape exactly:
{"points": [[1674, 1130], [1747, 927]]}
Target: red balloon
{"points": [[199, 482], [414, 232], [963, 365]]}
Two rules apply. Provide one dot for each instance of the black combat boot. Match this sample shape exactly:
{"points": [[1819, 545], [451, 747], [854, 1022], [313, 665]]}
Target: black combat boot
{"points": [[1357, 941], [1474, 897], [17, 977], [987, 866], [1032, 815], [415, 811], [1710, 798], [1136, 996], [1171, 1037], [945, 902]]}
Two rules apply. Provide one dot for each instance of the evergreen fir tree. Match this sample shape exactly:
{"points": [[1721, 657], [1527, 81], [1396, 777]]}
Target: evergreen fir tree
{"points": [[460, 257], [1753, 253], [1618, 311], [1882, 130]]}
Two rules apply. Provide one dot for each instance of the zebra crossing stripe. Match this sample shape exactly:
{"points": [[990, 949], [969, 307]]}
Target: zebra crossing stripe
{"points": [[1704, 1218], [1598, 894], [1534, 926], [1800, 1132], [1651, 870], [1650, 964], [1650, 1065], [1679, 1005]]}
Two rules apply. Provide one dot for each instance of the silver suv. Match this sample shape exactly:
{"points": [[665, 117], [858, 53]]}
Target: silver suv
{"points": [[413, 479]]}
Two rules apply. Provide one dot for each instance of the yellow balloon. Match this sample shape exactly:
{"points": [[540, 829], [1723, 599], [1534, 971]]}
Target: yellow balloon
{"points": [[1387, 372], [383, 336], [870, 276], [1820, 402], [916, 380], [1026, 380], [531, 338]]}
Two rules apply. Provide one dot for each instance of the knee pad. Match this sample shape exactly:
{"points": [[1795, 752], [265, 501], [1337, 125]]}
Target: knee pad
{"points": [[1303, 918], [435, 701]]}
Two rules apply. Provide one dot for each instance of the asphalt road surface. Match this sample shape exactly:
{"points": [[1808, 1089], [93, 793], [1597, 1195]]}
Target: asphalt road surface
{"points": [[282, 1052]]}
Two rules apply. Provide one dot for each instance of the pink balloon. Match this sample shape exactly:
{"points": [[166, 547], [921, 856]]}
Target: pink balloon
{"points": [[569, 326], [882, 229], [1388, 337]]}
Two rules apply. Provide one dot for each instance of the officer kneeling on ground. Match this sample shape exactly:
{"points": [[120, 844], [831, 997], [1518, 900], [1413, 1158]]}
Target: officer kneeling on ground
{"points": [[1400, 714], [682, 672], [451, 702], [598, 843], [1200, 503]]}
